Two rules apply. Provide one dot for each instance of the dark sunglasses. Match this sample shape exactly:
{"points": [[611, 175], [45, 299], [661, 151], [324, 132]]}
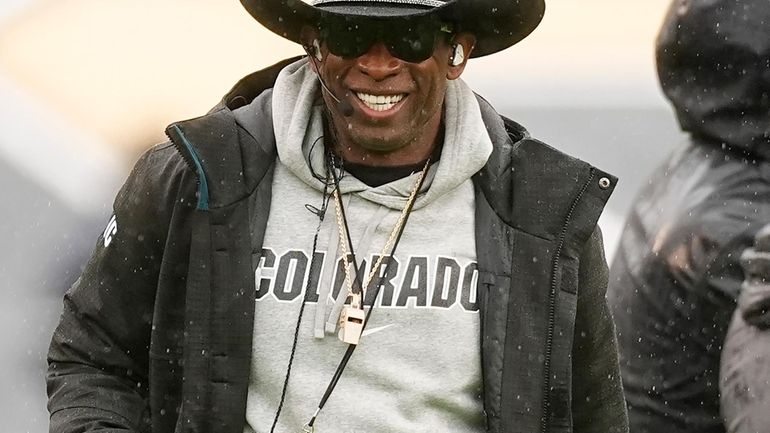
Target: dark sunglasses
{"points": [[410, 40]]}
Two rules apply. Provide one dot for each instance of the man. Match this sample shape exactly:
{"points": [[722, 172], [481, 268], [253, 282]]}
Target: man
{"points": [[676, 276], [362, 191], [744, 381]]}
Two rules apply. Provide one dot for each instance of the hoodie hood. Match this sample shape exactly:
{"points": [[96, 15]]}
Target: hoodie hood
{"points": [[714, 66]]}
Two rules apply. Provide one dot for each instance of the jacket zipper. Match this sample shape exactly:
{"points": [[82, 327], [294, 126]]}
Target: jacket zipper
{"points": [[552, 309]]}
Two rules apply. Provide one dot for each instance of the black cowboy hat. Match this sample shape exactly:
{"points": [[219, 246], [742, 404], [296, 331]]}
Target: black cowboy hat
{"points": [[497, 24]]}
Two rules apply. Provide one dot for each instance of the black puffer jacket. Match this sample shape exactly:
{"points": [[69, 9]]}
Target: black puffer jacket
{"points": [[676, 275]]}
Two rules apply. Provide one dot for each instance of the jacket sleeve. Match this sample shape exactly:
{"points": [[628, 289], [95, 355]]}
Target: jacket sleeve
{"points": [[598, 402], [745, 362], [98, 357]]}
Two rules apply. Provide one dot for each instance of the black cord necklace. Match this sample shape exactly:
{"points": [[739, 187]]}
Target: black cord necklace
{"points": [[320, 212]]}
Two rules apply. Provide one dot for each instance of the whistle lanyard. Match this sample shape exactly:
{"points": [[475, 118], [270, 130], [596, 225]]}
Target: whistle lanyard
{"points": [[309, 427]]}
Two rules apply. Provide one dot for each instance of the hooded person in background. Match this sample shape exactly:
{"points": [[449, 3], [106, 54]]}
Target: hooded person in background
{"points": [[362, 191], [676, 275], [745, 370]]}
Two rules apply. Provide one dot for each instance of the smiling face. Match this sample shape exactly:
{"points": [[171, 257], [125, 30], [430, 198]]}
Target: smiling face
{"points": [[397, 105]]}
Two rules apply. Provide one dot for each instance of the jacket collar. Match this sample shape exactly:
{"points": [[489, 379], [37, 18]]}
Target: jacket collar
{"points": [[228, 160], [535, 188]]}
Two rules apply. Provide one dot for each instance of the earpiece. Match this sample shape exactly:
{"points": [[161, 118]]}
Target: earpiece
{"points": [[316, 50], [458, 55]]}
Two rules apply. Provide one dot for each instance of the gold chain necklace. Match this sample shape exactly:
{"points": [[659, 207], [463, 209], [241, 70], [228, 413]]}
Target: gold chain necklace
{"points": [[352, 316]]}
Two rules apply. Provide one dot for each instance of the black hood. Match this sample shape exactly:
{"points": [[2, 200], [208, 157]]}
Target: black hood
{"points": [[714, 65]]}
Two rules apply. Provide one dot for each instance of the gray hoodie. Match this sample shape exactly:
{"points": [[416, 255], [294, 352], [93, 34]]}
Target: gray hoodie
{"points": [[417, 366]]}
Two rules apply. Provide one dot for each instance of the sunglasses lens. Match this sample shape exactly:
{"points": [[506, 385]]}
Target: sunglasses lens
{"points": [[412, 41], [412, 48], [347, 40]]}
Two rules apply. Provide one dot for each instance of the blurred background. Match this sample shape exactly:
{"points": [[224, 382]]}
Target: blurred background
{"points": [[87, 85]]}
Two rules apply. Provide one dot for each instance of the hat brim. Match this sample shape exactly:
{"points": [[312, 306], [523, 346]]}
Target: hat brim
{"points": [[496, 24]]}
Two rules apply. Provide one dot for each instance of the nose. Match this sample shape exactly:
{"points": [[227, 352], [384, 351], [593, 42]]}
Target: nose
{"points": [[378, 63]]}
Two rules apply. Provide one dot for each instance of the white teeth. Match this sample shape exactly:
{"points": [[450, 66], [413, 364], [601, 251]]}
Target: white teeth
{"points": [[380, 102]]}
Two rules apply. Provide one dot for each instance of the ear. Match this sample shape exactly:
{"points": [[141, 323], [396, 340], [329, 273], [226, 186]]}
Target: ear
{"points": [[465, 42], [309, 37]]}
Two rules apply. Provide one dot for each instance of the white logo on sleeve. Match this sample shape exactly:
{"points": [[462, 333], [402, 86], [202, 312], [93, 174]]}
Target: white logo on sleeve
{"points": [[109, 232]]}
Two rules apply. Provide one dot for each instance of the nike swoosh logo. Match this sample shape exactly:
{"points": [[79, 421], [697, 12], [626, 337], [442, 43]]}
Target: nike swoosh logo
{"points": [[373, 330]]}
